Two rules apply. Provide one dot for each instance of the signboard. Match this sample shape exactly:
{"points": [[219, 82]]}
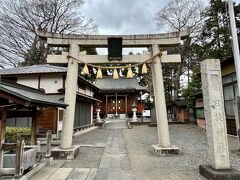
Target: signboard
{"points": [[146, 113], [199, 113]]}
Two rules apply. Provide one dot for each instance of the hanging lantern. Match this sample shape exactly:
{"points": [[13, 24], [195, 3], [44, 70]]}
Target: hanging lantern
{"points": [[99, 73], [129, 73], [144, 69], [115, 74], [85, 70]]}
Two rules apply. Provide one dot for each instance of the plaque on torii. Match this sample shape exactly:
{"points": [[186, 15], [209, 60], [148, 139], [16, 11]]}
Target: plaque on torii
{"points": [[153, 41]]}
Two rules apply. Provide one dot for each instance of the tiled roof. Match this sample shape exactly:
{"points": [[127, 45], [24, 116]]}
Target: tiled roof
{"points": [[33, 96], [121, 84], [39, 69], [35, 69]]}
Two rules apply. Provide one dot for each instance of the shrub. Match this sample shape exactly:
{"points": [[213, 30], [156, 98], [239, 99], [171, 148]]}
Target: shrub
{"points": [[11, 133]]}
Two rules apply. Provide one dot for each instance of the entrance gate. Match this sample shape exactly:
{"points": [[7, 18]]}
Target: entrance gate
{"points": [[151, 41]]}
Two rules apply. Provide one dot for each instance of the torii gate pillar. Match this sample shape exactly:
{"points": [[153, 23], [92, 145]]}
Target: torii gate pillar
{"points": [[66, 150], [164, 147]]}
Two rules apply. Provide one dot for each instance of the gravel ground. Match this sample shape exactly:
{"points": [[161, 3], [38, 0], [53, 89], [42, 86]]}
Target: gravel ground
{"points": [[189, 138], [94, 137], [88, 157]]}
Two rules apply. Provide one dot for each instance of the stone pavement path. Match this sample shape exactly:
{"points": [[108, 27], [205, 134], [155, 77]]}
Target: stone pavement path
{"points": [[103, 156], [115, 163]]}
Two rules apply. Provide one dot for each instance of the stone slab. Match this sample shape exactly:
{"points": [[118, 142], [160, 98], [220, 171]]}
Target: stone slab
{"points": [[221, 174], [61, 174], [70, 153], [92, 174], [79, 174], [161, 151], [44, 174]]}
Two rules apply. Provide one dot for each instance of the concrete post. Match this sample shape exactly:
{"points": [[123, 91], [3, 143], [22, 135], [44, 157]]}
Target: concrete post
{"points": [[160, 102], [237, 116], [48, 143], [70, 98]]}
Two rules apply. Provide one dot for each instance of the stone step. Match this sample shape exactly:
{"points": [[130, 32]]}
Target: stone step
{"points": [[116, 124]]}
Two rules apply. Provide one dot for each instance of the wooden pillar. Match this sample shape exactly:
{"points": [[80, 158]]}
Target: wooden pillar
{"points": [[3, 118], [106, 108], [18, 155], [126, 104], [34, 127]]}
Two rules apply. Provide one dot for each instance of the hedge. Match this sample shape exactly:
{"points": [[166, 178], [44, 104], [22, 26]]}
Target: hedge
{"points": [[11, 133]]}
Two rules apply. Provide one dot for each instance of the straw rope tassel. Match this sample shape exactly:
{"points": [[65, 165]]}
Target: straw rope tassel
{"points": [[85, 70], [144, 69], [129, 73], [99, 73], [115, 74]]}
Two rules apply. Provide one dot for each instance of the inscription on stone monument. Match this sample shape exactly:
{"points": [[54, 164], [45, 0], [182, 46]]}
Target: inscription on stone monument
{"points": [[214, 114]]}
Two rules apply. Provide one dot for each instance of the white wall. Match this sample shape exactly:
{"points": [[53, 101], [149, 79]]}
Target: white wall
{"points": [[51, 82], [29, 80]]}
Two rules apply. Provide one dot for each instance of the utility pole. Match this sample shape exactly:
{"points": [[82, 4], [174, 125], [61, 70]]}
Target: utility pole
{"points": [[234, 42], [236, 61]]}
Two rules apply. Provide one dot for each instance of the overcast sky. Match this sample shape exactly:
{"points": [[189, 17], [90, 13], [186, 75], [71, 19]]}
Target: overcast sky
{"points": [[117, 17], [123, 16]]}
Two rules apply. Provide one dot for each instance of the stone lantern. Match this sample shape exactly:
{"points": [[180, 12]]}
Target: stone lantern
{"points": [[98, 110], [134, 110]]}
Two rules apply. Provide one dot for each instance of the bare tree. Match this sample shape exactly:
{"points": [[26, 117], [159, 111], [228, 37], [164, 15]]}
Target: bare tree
{"points": [[20, 18], [179, 15]]}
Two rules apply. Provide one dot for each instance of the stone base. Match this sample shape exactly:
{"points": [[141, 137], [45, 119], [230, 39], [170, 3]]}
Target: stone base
{"points": [[160, 151], [211, 173], [71, 153], [134, 119], [99, 120]]}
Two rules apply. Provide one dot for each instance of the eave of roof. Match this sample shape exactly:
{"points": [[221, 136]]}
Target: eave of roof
{"points": [[87, 97], [33, 96], [88, 83], [107, 84], [36, 69]]}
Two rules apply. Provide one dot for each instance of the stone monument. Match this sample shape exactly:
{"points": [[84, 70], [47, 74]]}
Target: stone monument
{"points": [[218, 154]]}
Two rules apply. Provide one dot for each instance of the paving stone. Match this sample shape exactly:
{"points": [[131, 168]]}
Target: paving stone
{"points": [[92, 174], [115, 163], [44, 174], [79, 174], [61, 174], [125, 162]]}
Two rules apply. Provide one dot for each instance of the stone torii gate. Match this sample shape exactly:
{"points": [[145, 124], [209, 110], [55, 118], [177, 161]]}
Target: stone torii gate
{"points": [[153, 41]]}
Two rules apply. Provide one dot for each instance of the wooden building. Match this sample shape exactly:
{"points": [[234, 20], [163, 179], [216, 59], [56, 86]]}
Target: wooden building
{"points": [[118, 96], [51, 80], [20, 102], [181, 110]]}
